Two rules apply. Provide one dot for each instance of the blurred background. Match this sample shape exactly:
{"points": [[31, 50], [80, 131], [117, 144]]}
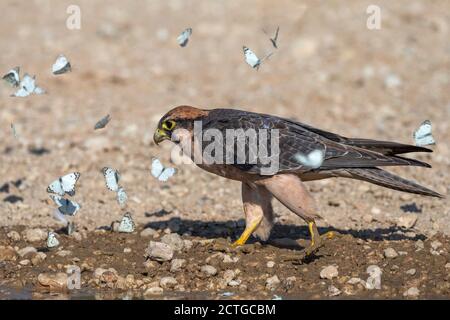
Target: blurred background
{"points": [[330, 71]]}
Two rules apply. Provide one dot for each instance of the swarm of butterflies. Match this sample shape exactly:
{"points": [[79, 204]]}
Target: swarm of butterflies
{"points": [[64, 187]]}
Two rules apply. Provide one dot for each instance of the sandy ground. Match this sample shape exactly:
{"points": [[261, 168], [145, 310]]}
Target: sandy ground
{"points": [[330, 71]]}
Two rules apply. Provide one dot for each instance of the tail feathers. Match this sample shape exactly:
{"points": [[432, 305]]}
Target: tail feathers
{"points": [[385, 179]]}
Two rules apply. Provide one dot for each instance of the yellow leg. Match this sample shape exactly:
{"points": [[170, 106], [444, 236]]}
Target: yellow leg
{"points": [[247, 233]]}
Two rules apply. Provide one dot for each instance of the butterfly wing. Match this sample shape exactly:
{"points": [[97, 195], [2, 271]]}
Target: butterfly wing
{"points": [[166, 174], [121, 196], [112, 178], [157, 168], [423, 135], [69, 181], [12, 77], [56, 187], [61, 65], [102, 122], [52, 241], [251, 58], [183, 38], [126, 224]]}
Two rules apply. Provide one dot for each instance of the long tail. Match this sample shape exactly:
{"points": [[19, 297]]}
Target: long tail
{"points": [[385, 179]]}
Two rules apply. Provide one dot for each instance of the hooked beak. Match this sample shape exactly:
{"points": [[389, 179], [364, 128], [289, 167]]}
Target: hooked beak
{"points": [[159, 136]]}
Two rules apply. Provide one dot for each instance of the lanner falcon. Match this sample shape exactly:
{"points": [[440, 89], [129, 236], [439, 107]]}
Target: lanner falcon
{"points": [[342, 157]]}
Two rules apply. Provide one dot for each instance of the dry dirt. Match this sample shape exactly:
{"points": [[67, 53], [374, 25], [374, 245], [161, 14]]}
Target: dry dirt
{"points": [[330, 71]]}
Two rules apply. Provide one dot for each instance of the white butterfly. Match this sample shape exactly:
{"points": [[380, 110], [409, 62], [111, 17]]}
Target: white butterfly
{"points": [[65, 206], [64, 184], [312, 160], [61, 65], [112, 178], [121, 196], [12, 77], [102, 122], [28, 86], [423, 136], [127, 224], [161, 173], [183, 38], [52, 241], [251, 58]]}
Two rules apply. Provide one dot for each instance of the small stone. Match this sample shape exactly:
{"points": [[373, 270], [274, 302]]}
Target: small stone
{"points": [[333, 291], [127, 250], [234, 283], [411, 272], [26, 251], [35, 235], [148, 232], [272, 283], [177, 264], [7, 253], [64, 253], [174, 241], [270, 264], [159, 251], [436, 245], [354, 281], [228, 276], [329, 272], [367, 218], [38, 258], [153, 291], [187, 244], [54, 281], [419, 245], [209, 270], [375, 211], [447, 265], [168, 282], [390, 253], [24, 262], [407, 221], [412, 292], [14, 236]]}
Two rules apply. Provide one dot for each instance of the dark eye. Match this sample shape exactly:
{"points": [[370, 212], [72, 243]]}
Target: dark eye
{"points": [[168, 125]]}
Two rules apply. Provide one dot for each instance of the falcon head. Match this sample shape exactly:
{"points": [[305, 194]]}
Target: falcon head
{"points": [[181, 117]]}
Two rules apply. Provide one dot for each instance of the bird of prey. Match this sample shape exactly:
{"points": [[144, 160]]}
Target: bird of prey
{"points": [[354, 158]]}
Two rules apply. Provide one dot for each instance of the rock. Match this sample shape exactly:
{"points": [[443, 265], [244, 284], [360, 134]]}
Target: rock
{"points": [[177, 265], [272, 283], [227, 259], [329, 272], [26, 251], [209, 270], [234, 283], [153, 291], [411, 272], [270, 264], [159, 251], [187, 244], [38, 258], [148, 232], [35, 235], [367, 218], [14, 236], [24, 262], [419, 245], [53, 281], [390, 253], [127, 250], [412, 292], [333, 291], [407, 221], [168, 282], [174, 241], [354, 281], [436, 245], [375, 211], [7, 253], [98, 272], [447, 265], [64, 253], [228, 276]]}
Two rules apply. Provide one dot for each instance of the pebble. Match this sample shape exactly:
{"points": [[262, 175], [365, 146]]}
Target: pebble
{"points": [[14, 236], [187, 244], [38, 258], [407, 221], [272, 283], [227, 259], [24, 262], [411, 272], [329, 272], [148, 232], [35, 235], [390, 253], [354, 281], [168, 282], [270, 264], [447, 265], [54, 281], [7, 253], [234, 283], [153, 291], [159, 251], [127, 250], [64, 253], [419, 245], [375, 211], [209, 270], [333, 291], [228, 276], [436, 245], [174, 241], [177, 265], [412, 292], [26, 251]]}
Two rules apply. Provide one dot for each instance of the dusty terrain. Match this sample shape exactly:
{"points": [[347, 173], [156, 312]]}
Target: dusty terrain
{"points": [[330, 71]]}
